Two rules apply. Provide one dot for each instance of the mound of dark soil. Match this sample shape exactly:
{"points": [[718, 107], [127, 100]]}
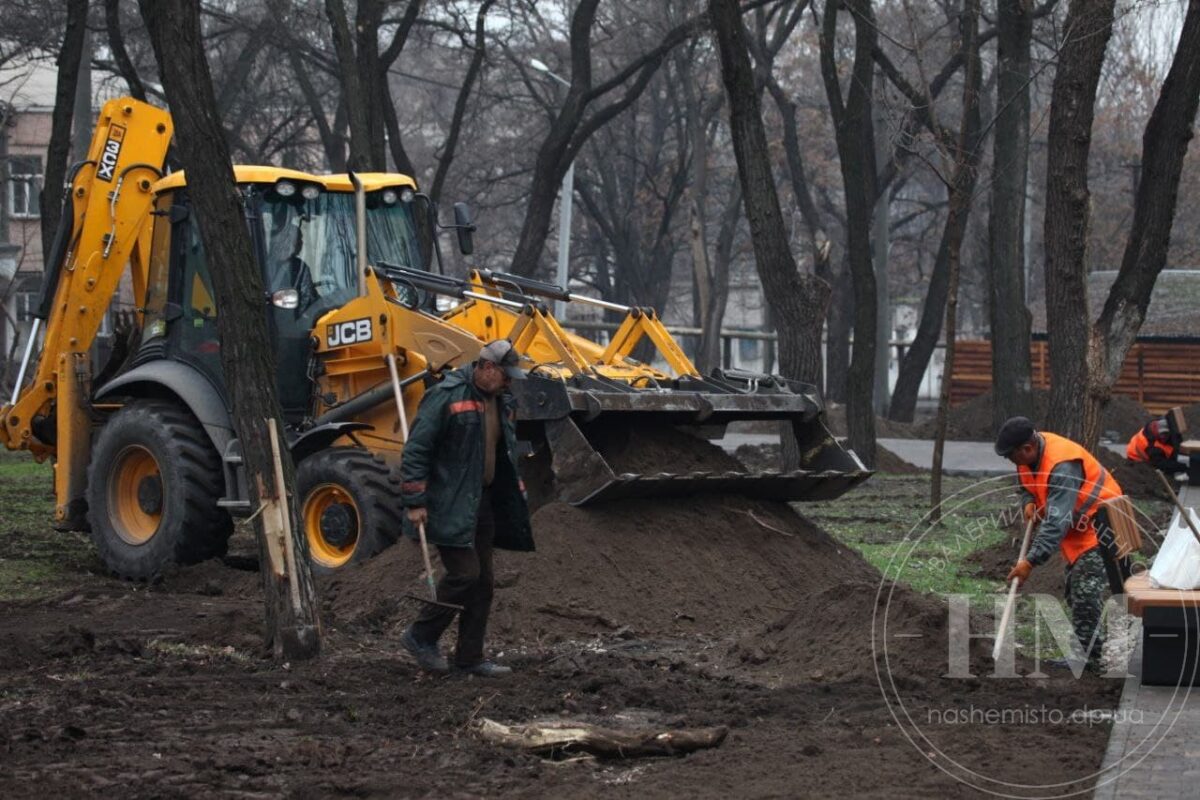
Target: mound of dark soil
{"points": [[1136, 480], [835, 420], [712, 565], [828, 636], [647, 448], [887, 461], [1123, 417]]}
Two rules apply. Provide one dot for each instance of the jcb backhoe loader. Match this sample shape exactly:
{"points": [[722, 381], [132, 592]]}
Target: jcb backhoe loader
{"points": [[147, 457]]}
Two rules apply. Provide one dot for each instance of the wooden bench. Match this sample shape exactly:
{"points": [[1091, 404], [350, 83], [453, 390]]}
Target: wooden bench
{"points": [[1170, 632]]}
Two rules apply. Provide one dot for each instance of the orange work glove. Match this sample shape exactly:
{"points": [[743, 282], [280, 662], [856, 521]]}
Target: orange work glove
{"points": [[1020, 572], [1030, 511]]}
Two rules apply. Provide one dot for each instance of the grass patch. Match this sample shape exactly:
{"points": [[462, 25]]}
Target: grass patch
{"points": [[35, 560], [884, 520]]}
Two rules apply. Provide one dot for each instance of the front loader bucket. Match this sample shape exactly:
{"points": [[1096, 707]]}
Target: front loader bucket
{"points": [[595, 439], [583, 474]]}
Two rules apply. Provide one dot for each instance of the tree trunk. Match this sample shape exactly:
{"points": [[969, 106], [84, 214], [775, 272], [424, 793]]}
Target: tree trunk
{"points": [[916, 359], [354, 93], [1012, 393], [797, 302], [576, 121], [962, 185], [293, 627], [446, 155], [1164, 146], [854, 132], [837, 347], [116, 44], [51, 200], [917, 356], [1068, 206], [722, 260], [818, 239]]}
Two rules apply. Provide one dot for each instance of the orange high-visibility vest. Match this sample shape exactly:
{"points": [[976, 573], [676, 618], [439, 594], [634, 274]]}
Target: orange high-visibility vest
{"points": [[1098, 486], [1140, 444]]}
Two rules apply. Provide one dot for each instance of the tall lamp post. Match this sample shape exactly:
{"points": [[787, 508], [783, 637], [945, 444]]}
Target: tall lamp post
{"points": [[565, 195]]}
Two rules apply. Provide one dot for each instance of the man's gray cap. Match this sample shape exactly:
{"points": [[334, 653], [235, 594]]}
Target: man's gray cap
{"points": [[501, 353], [1014, 433]]}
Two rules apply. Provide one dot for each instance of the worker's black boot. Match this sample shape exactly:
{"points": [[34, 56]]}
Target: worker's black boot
{"points": [[428, 656]]}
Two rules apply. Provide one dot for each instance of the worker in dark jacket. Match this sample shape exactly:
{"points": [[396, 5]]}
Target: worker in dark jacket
{"points": [[1157, 445], [1065, 487], [459, 479]]}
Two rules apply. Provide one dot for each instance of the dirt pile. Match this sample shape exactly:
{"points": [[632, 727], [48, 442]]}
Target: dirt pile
{"points": [[827, 637], [1123, 417], [672, 566], [646, 448], [1136, 480], [789, 602], [835, 420]]}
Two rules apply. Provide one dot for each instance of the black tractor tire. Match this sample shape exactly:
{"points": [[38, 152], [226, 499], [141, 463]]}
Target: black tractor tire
{"points": [[350, 507], [153, 485]]}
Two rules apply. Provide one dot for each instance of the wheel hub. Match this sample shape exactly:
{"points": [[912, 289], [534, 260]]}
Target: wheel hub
{"points": [[339, 524], [150, 494]]}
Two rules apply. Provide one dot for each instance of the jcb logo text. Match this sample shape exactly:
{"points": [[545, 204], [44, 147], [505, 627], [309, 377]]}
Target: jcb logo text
{"points": [[344, 333]]}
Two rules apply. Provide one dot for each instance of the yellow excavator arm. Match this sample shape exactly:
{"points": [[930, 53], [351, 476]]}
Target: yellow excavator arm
{"points": [[104, 229]]}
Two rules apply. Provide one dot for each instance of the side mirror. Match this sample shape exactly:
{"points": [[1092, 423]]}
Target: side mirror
{"points": [[464, 227]]}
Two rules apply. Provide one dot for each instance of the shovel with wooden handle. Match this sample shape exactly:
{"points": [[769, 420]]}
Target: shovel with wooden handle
{"points": [[1012, 591], [398, 391]]}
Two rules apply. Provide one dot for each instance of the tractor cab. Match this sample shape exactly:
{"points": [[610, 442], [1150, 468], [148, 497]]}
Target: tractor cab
{"points": [[303, 231]]}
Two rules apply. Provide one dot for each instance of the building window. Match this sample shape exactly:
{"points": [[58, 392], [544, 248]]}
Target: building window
{"points": [[749, 349], [24, 183]]}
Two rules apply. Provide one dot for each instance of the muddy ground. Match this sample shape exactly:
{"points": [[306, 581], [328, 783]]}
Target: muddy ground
{"points": [[693, 612]]}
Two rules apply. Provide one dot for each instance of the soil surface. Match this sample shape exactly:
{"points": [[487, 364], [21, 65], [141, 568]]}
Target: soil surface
{"points": [[994, 563], [1136, 479], [686, 613]]}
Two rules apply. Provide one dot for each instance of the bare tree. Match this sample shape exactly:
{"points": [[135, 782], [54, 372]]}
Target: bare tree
{"points": [[1086, 363], [854, 130], [1073, 100], [796, 300], [363, 74], [965, 159], [120, 55], [69, 57], [1012, 392], [293, 629], [582, 113]]}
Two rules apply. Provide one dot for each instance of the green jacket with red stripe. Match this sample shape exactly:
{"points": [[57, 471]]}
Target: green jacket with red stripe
{"points": [[442, 467]]}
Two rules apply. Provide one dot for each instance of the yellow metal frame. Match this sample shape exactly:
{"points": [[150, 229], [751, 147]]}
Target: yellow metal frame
{"points": [[642, 323], [109, 230], [542, 339]]}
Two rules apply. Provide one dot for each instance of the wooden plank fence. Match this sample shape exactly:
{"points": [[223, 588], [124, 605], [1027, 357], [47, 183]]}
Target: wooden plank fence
{"points": [[1158, 374]]}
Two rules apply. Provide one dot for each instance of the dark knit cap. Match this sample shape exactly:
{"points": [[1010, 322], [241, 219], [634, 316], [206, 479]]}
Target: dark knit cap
{"points": [[1013, 433]]}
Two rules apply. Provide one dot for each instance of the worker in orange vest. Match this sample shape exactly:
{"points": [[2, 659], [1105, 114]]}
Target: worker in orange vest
{"points": [[1064, 486], [1157, 445]]}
